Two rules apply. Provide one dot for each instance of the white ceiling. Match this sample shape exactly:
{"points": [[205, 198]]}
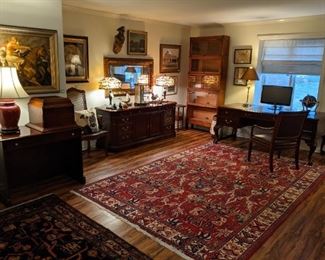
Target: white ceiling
{"points": [[203, 12]]}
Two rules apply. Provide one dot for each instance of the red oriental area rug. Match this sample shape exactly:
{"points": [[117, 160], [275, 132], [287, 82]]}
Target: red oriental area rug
{"points": [[208, 202]]}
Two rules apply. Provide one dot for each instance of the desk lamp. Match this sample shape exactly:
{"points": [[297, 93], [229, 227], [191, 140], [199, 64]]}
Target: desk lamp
{"points": [[10, 89], [164, 82], [250, 75], [140, 89], [110, 83]]}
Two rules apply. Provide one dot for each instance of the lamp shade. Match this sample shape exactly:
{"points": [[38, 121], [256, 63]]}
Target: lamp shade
{"points": [[109, 83], [143, 79], [250, 74], [165, 81], [76, 59], [10, 86]]}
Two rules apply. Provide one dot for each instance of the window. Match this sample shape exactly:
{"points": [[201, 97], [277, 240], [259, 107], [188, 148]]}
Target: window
{"points": [[294, 62]]}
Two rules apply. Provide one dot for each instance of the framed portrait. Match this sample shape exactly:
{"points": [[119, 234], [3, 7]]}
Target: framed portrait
{"points": [[243, 56], [137, 43], [34, 53], [172, 90], [76, 58], [238, 73], [170, 58]]}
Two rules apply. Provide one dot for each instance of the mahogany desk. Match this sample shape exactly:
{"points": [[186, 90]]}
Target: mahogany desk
{"points": [[237, 116], [31, 156], [138, 124]]}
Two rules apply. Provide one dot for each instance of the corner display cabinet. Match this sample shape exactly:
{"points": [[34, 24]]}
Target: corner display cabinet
{"points": [[207, 78]]}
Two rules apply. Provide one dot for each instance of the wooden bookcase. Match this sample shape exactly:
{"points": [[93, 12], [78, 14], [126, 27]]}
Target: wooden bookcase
{"points": [[207, 78]]}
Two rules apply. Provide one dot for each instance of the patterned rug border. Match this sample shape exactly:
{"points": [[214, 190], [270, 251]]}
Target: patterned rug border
{"points": [[311, 189], [27, 201], [137, 227], [73, 210], [260, 240]]}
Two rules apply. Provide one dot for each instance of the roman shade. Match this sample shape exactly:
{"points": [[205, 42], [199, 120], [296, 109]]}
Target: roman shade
{"points": [[293, 56]]}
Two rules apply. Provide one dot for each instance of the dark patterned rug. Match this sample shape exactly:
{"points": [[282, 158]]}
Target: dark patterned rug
{"points": [[48, 228]]}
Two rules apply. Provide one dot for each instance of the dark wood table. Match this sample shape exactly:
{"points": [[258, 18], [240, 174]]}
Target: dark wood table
{"points": [[237, 116], [31, 156], [138, 124]]}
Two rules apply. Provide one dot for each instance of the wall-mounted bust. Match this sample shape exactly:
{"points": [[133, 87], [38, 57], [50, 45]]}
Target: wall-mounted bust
{"points": [[119, 40]]}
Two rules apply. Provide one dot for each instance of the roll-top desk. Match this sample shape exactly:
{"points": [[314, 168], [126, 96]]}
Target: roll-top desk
{"points": [[138, 124]]}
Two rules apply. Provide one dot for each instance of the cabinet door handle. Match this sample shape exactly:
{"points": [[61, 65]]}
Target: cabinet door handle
{"points": [[73, 134], [16, 144]]}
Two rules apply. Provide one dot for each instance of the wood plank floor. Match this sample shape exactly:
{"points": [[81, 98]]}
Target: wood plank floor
{"points": [[301, 236]]}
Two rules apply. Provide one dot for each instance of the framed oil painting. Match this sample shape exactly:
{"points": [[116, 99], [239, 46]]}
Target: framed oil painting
{"points": [[34, 53], [170, 58], [238, 73], [243, 56], [76, 58], [137, 43]]}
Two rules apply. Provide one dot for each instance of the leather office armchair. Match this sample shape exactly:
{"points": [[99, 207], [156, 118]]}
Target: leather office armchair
{"points": [[286, 134]]}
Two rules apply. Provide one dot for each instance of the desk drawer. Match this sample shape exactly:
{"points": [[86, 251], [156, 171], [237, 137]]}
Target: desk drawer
{"points": [[228, 117], [44, 139]]}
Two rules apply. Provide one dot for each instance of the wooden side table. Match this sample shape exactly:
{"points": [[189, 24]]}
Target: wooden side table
{"points": [[180, 116], [32, 156]]}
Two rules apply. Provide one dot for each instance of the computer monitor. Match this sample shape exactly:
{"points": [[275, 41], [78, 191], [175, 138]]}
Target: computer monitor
{"points": [[276, 95]]}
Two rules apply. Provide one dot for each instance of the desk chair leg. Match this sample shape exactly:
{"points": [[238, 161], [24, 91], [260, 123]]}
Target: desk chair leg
{"points": [[271, 160], [322, 145], [249, 151], [106, 146], [88, 147], [297, 159]]}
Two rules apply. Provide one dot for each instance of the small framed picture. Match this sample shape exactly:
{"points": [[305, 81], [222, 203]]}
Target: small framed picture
{"points": [[137, 43], [170, 58], [243, 56], [172, 90], [76, 58], [238, 73]]}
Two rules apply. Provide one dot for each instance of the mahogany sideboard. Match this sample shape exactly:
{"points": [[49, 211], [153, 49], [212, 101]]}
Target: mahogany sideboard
{"points": [[237, 116], [31, 156], [138, 124]]}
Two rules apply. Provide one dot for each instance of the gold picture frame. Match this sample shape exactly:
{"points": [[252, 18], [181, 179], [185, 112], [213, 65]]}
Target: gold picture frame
{"points": [[243, 56], [34, 53], [238, 73], [137, 42], [76, 58], [170, 58]]}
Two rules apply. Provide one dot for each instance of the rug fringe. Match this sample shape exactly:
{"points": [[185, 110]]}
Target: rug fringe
{"points": [[138, 228]]}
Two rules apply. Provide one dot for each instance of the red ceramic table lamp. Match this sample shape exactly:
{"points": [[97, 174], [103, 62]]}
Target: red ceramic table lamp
{"points": [[10, 89]]}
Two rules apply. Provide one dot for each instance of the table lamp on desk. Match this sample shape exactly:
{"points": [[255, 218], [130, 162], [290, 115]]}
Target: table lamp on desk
{"points": [[110, 83], [250, 75]]}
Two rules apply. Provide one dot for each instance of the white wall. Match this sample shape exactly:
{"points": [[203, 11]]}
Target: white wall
{"points": [[101, 29], [45, 14]]}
